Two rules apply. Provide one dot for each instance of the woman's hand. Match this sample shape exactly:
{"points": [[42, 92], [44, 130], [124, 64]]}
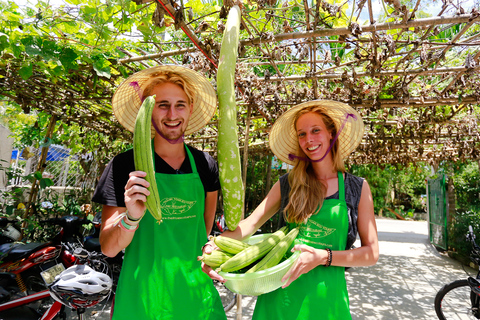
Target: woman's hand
{"points": [[309, 258], [136, 193], [208, 248]]}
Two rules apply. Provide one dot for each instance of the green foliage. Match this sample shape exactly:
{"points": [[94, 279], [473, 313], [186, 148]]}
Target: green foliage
{"points": [[29, 130], [465, 178], [458, 229], [11, 198], [406, 183], [379, 182], [467, 186], [256, 186], [447, 34], [412, 182], [47, 205], [56, 40]]}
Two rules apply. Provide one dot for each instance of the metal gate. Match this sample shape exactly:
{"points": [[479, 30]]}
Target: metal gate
{"points": [[437, 211]]}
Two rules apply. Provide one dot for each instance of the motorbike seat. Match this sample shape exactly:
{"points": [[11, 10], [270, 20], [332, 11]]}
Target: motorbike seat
{"points": [[17, 251], [92, 244]]}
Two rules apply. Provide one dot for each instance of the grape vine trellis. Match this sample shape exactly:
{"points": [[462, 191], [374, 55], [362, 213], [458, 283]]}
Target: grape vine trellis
{"points": [[412, 76]]}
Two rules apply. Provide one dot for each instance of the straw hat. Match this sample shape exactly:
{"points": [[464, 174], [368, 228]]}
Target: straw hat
{"points": [[127, 99], [284, 140]]}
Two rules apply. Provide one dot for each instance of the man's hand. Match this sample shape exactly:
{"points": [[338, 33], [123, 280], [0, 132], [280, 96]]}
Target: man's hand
{"points": [[136, 193]]}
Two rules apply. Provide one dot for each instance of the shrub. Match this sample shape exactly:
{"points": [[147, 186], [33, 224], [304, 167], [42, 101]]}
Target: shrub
{"points": [[458, 230]]}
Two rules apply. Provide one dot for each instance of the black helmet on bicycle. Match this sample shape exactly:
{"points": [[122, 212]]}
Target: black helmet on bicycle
{"points": [[81, 287]]}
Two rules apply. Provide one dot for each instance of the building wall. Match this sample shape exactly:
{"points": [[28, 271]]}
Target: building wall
{"points": [[6, 147]]}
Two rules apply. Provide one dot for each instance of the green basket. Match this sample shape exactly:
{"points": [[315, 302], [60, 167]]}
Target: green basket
{"points": [[260, 282]]}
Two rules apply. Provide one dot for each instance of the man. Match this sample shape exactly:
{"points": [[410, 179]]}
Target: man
{"points": [[160, 277]]}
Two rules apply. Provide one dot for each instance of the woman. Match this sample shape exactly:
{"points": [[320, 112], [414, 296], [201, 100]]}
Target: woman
{"points": [[329, 206]]}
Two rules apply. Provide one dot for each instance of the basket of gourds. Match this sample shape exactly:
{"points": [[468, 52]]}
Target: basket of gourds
{"points": [[256, 265]]}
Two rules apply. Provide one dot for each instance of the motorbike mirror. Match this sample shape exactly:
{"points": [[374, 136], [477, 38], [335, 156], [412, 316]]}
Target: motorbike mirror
{"points": [[80, 253]]}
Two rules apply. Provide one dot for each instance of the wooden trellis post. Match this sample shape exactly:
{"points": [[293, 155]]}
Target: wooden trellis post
{"points": [[238, 314], [245, 146]]}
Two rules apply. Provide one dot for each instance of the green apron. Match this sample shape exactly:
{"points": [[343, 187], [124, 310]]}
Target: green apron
{"points": [[322, 292], [161, 277]]}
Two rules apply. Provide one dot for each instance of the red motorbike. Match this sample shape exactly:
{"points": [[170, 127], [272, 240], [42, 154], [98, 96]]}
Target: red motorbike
{"points": [[80, 286], [26, 270]]}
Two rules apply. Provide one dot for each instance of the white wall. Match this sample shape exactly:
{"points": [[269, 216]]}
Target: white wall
{"points": [[5, 153]]}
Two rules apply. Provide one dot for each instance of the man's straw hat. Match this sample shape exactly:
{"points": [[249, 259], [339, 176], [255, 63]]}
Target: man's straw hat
{"points": [[127, 99], [283, 137]]}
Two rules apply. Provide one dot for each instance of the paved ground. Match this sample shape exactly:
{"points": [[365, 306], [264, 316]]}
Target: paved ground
{"points": [[404, 282], [402, 285]]}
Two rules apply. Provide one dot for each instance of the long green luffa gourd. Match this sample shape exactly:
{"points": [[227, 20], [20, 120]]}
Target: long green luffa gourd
{"points": [[275, 255], [228, 151], [254, 252], [143, 154]]}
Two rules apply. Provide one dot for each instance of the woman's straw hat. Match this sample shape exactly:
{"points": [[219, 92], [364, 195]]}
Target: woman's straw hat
{"points": [[127, 99], [283, 136]]}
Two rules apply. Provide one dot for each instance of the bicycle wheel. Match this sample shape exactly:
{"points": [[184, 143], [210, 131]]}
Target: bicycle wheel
{"points": [[455, 301], [228, 297]]}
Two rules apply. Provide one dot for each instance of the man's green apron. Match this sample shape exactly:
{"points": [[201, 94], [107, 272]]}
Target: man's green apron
{"points": [[161, 277], [322, 292]]}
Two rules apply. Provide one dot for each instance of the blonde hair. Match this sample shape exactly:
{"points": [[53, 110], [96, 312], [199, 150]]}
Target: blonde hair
{"points": [[306, 191], [160, 78]]}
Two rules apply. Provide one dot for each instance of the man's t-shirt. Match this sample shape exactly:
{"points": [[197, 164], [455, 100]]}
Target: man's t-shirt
{"points": [[111, 186]]}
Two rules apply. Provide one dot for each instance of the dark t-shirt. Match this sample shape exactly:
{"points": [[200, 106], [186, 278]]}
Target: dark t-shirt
{"points": [[353, 192], [111, 186]]}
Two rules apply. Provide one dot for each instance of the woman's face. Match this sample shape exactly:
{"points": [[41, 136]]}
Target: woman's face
{"points": [[313, 136]]}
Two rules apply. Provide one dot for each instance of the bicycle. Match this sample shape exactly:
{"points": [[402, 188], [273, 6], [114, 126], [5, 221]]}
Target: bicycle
{"points": [[460, 299]]}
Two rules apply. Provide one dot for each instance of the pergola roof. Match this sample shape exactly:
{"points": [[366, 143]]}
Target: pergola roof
{"points": [[414, 80]]}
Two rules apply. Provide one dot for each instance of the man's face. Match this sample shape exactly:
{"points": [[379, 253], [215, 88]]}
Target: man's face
{"points": [[172, 110]]}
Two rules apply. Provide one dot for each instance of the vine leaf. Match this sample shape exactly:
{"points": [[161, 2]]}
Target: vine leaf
{"points": [[67, 58], [102, 68], [3, 41], [26, 72]]}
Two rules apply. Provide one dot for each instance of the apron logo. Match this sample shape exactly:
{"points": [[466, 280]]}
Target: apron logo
{"points": [[314, 229], [176, 206]]}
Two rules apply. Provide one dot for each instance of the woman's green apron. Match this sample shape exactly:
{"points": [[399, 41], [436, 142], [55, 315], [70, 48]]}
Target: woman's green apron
{"points": [[161, 277], [322, 292]]}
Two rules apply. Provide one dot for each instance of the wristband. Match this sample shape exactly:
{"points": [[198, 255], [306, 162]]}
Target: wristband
{"points": [[133, 221], [125, 226], [329, 258]]}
